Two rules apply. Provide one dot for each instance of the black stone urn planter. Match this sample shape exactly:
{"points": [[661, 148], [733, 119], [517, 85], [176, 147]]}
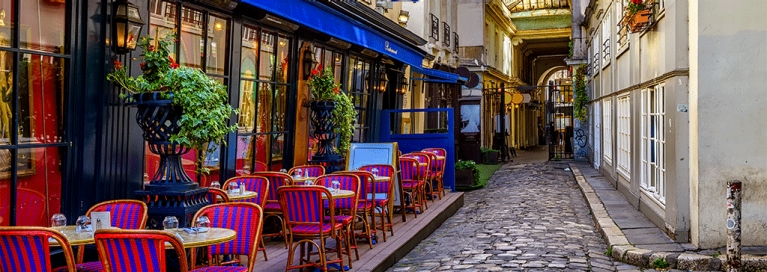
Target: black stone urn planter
{"points": [[321, 120], [170, 190]]}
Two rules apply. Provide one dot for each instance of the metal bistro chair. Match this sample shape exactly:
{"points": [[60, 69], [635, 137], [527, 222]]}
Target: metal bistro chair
{"points": [[424, 162], [412, 185], [272, 207], [346, 208], [216, 195], [432, 176], [365, 205], [28, 249], [382, 195], [440, 168], [242, 217], [137, 250], [257, 184], [305, 217], [126, 214], [313, 170]]}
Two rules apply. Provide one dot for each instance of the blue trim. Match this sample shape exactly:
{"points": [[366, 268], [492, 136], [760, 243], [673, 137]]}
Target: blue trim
{"points": [[438, 76], [333, 23]]}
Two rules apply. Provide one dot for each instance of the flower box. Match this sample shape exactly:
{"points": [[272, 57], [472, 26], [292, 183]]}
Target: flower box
{"points": [[639, 20]]}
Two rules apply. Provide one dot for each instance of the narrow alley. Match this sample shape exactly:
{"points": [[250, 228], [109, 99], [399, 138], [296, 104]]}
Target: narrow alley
{"points": [[531, 216]]}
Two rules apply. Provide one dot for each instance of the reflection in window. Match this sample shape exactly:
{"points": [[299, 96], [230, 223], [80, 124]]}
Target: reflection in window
{"points": [[263, 100], [358, 87]]}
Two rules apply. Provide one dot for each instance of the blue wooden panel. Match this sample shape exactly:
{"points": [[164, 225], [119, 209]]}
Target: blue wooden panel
{"points": [[416, 142]]}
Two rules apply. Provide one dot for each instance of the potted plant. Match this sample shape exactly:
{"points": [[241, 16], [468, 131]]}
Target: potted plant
{"points": [[637, 14], [179, 108], [466, 173], [490, 155], [332, 115]]}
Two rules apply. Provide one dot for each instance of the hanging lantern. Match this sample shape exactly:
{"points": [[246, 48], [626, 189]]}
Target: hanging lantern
{"points": [[309, 62], [383, 81], [403, 87], [127, 24]]}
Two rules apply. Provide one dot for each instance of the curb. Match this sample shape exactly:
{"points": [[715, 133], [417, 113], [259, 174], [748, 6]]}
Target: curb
{"points": [[624, 252]]}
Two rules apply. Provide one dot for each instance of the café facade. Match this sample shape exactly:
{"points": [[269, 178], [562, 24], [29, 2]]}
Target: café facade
{"points": [[67, 140]]}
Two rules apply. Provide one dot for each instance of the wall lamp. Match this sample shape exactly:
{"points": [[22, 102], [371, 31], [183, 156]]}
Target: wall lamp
{"points": [[127, 26], [309, 62], [383, 80], [403, 88], [403, 17]]}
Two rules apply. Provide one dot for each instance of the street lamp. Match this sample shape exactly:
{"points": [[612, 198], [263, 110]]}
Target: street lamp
{"points": [[309, 62], [127, 26]]}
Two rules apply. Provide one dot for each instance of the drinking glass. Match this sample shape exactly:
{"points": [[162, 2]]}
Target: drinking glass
{"points": [[58, 221], [298, 174], [234, 188], [336, 186], [308, 182], [202, 224], [170, 223], [83, 224], [375, 172], [215, 184]]}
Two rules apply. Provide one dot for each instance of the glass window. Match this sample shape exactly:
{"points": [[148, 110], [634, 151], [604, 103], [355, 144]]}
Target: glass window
{"points": [[358, 85], [43, 26], [263, 100]]}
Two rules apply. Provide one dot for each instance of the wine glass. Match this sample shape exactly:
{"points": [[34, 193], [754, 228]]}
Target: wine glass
{"points": [[58, 221], [215, 184], [234, 188], [202, 223], [375, 172], [298, 174], [336, 186], [170, 223], [83, 224]]}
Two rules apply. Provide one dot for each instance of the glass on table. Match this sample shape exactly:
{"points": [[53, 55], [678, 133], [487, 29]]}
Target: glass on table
{"points": [[170, 223], [335, 186], [308, 182], [202, 224], [375, 172], [58, 221], [215, 184], [83, 224], [234, 188], [298, 174]]}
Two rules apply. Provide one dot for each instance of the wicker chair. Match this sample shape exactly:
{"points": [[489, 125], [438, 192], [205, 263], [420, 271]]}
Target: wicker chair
{"points": [[440, 168], [305, 212], [126, 214], [137, 250], [382, 196], [365, 205], [346, 208], [272, 206], [257, 184], [432, 177], [28, 249], [412, 185], [216, 195], [313, 170], [242, 217], [424, 167]]}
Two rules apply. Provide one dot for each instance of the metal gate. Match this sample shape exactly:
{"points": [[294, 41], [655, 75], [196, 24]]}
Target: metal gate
{"points": [[559, 121]]}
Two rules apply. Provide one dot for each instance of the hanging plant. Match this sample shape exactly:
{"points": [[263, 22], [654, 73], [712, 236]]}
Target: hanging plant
{"points": [[581, 99], [324, 88]]}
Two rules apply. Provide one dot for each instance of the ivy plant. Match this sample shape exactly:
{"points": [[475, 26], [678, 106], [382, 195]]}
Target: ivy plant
{"points": [[581, 98], [324, 88], [471, 165]]}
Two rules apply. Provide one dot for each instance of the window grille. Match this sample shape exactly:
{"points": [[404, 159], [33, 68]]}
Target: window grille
{"points": [[434, 27]]}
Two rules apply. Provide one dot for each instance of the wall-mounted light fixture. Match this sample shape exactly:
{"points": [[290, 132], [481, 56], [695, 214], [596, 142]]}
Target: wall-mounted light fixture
{"points": [[127, 26], [403, 88], [309, 62], [403, 17], [383, 81]]}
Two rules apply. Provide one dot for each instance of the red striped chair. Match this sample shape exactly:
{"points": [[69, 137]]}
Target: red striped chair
{"points": [[313, 170], [305, 217], [28, 249], [216, 195], [272, 206], [432, 176], [257, 184], [137, 250], [365, 205], [424, 173], [242, 217], [412, 185], [382, 195], [125, 214], [438, 169], [346, 208]]}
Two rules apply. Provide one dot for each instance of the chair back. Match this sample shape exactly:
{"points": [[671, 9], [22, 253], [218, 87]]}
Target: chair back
{"points": [[244, 218], [276, 180], [423, 167], [434, 168], [382, 187], [367, 181], [258, 184], [347, 182], [137, 250], [313, 170], [437, 151], [28, 202], [216, 195], [124, 213], [408, 168], [303, 206], [28, 249]]}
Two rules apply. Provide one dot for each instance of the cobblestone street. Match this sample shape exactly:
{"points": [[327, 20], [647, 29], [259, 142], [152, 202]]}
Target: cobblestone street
{"points": [[531, 217]]}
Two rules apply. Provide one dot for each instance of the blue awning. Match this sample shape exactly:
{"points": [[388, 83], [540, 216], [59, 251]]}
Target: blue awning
{"points": [[437, 76], [338, 25]]}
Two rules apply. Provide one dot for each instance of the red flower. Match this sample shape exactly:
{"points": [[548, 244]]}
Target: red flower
{"points": [[315, 72], [151, 48], [638, 2], [336, 90], [142, 65], [173, 64], [118, 64]]}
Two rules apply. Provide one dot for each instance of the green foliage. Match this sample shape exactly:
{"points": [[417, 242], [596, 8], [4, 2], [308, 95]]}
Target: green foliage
{"points": [[204, 101], [469, 164], [634, 6], [660, 263], [716, 254], [324, 88], [609, 251], [570, 53], [581, 99], [485, 150]]}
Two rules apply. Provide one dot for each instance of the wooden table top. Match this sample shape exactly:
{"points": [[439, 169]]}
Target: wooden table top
{"points": [[340, 194], [189, 240], [246, 195]]}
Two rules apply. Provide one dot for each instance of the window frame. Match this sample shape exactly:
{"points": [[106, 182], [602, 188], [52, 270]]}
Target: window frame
{"points": [[653, 176], [624, 135], [434, 34], [607, 137]]}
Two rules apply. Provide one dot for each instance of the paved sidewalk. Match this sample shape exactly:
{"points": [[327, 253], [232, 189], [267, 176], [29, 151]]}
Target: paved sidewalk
{"points": [[531, 217]]}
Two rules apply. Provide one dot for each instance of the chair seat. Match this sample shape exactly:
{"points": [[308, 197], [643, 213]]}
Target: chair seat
{"points": [[344, 219], [365, 205], [382, 202], [83, 267], [411, 184], [272, 206], [314, 229], [221, 269]]}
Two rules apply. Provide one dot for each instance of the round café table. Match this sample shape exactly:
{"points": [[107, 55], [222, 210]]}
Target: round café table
{"points": [[74, 238], [211, 237], [334, 194], [238, 196], [302, 180]]}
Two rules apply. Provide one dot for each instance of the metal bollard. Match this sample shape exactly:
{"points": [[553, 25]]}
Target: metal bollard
{"points": [[733, 225]]}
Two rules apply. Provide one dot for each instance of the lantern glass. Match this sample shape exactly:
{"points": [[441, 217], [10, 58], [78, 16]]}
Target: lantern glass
{"points": [[382, 82], [128, 24], [309, 62], [403, 88]]}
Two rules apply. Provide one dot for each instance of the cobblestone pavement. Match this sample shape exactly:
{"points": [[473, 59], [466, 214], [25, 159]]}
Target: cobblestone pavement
{"points": [[530, 217]]}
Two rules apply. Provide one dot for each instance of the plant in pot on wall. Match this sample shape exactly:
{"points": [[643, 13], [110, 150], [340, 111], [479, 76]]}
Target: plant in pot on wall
{"points": [[637, 14], [466, 174], [332, 115], [489, 155], [179, 109]]}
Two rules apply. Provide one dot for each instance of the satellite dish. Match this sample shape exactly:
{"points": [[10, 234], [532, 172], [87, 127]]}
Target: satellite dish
{"points": [[473, 81], [463, 72]]}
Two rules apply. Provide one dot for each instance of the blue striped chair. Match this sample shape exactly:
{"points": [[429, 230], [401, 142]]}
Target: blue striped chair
{"points": [[385, 189], [346, 208], [257, 184], [216, 195], [304, 212], [423, 173], [125, 214], [313, 170], [365, 205], [137, 250], [27, 249], [439, 171], [412, 185], [244, 218], [272, 206]]}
